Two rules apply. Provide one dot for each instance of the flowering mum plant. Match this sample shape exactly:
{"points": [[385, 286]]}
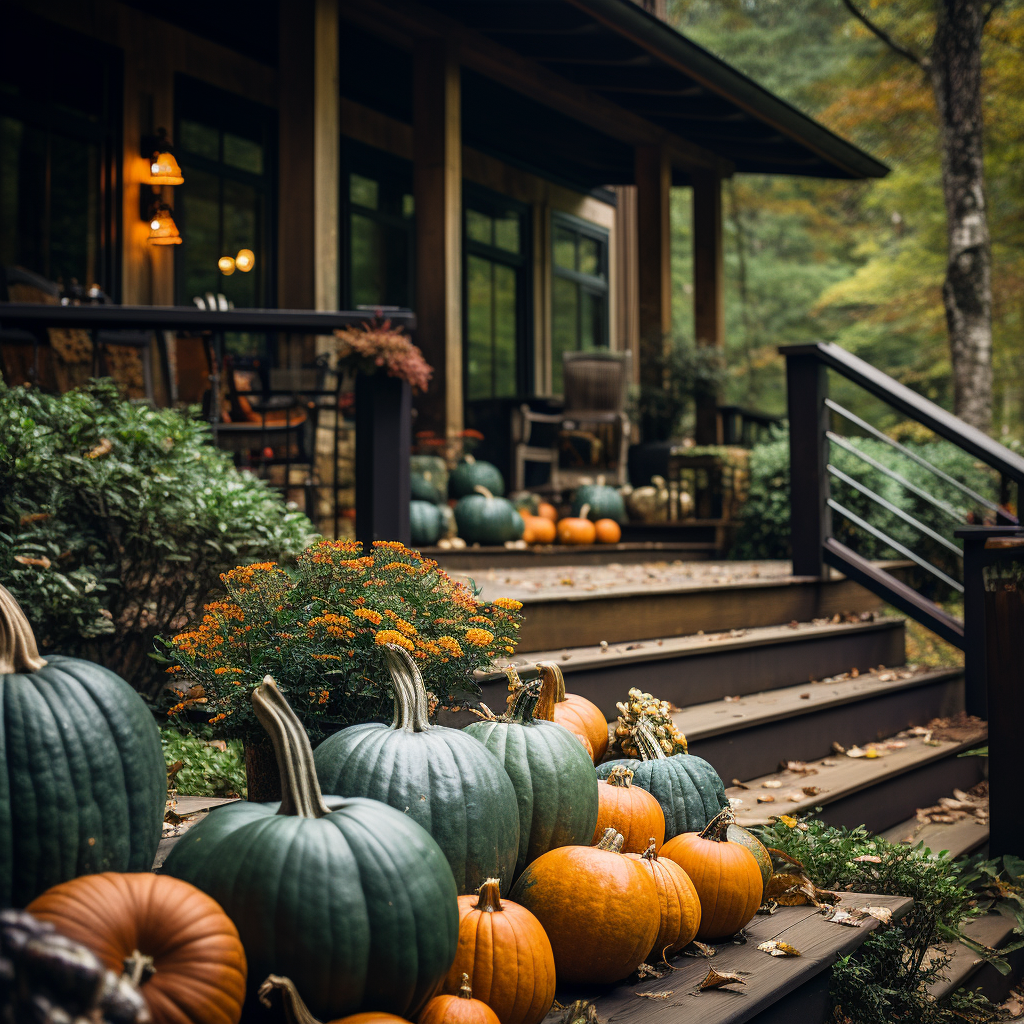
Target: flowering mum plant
{"points": [[320, 631], [369, 346]]}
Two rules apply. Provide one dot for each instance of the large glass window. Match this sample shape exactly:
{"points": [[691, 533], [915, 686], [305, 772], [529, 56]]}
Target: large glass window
{"points": [[496, 293], [579, 290]]}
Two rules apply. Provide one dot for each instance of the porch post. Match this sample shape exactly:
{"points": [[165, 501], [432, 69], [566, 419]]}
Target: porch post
{"points": [[653, 183], [326, 154], [708, 283], [437, 181]]}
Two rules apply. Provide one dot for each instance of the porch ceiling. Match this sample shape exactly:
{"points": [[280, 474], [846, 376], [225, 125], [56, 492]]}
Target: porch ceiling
{"points": [[615, 49]]}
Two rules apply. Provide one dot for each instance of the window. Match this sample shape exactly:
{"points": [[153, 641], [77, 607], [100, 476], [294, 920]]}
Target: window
{"points": [[377, 256], [579, 290], [496, 297], [226, 148]]}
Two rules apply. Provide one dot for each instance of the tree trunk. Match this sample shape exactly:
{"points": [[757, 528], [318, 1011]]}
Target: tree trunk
{"points": [[955, 72]]}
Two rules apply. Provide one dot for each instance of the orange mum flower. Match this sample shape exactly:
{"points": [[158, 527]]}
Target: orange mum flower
{"points": [[392, 636], [479, 637], [508, 603], [375, 618]]}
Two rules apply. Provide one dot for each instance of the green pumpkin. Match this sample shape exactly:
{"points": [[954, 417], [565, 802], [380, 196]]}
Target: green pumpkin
{"points": [[442, 778], [83, 782], [425, 523], [470, 474], [524, 501], [605, 502], [738, 834], [485, 519], [687, 787], [552, 773], [428, 477], [351, 899], [421, 489]]}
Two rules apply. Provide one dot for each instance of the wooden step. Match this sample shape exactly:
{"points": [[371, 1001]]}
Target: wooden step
{"points": [[877, 793], [472, 560], [968, 967], [963, 837], [710, 666]]}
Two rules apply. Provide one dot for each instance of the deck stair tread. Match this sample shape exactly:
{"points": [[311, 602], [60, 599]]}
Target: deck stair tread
{"points": [[992, 930], [767, 979], [958, 839], [840, 776]]}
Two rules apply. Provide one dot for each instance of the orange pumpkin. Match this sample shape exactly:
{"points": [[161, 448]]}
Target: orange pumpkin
{"points": [[680, 904], [608, 531], [577, 529], [726, 876], [458, 1009], [507, 956], [547, 511], [296, 1011], [600, 909], [178, 945], [630, 810], [538, 530], [579, 715]]}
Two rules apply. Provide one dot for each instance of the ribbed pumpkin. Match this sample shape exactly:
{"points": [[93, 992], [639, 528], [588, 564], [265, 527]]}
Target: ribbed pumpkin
{"points": [[177, 944], [687, 787], [607, 531], [738, 834], [600, 500], [680, 904], [554, 779], [470, 474], [296, 1011], [576, 713], [444, 779], [460, 1008], [82, 776], [506, 953], [425, 523], [485, 519], [725, 874], [547, 511], [629, 810], [600, 909], [577, 529], [538, 530], [350, 898]]}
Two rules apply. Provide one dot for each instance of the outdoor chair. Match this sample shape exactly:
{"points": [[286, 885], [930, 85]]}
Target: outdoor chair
{"points": [[595, 388]]}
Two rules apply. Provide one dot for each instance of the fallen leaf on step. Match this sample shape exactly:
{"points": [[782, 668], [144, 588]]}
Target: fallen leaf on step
{"points": [[772, 784], [855, 752], [716, 979], [731, 700], [765, 798], [805, 696], [883, 914], [873, 751], [768, 908], [894, 745], [647, 971], [811, 790], [735, 801], [794, 796], [838, 748], [654, 995], [844, 917], [854, 672], [798, 767], [829, 763], [867, 858], [776, 947], [740, 785], [700, 949]]}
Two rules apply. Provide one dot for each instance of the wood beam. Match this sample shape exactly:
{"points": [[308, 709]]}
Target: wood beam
{"points": [[326, 154], [708, 286], [653, 185], [437, 184]]}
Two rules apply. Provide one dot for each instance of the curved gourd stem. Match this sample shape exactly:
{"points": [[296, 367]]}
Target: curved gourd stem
{"points": [[552, 690], [480, 489], [410, 696], [620, 775], [295, 1010], [522, 704], [18, 650], [465, 990], [717, 829], [489, 896], [646, 742], [300, 791], [610, 840]]}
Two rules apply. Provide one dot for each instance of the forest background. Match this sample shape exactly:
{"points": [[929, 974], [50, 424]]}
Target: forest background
{"points": [[858, 263]]}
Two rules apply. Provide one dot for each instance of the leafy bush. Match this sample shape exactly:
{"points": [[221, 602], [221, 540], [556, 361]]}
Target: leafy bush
{"points": [[116, 520], [319, 632], [208, 767]]}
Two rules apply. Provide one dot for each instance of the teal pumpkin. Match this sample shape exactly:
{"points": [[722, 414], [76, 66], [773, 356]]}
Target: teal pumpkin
{"points": [[605, 502], [470, 474], [421, 489], [552, 773], [428, 477], [485, 519], [687, 787], [83, 782], [351, 899], [425, 523], [442, 778]]}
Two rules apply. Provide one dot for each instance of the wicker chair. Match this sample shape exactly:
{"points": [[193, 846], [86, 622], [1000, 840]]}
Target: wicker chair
{"points": [[596, 386]]}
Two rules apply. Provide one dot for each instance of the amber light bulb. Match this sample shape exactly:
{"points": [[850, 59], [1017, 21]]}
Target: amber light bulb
{"points": [[245, 260], [226, 265]]}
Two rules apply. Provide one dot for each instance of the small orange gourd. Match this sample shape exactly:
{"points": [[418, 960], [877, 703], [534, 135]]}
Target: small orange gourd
{"points": [[296, 1011], [547, 511], [577, 529], [607, 531], [630, 810], [538, 530], [506, 953], [725, 874], [458, 1009], [577, 714], [680, 904]]}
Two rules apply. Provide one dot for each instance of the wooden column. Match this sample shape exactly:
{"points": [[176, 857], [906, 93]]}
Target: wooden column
{"points": [[653, 183], [326, 154], [437, 164], [708, 285]]}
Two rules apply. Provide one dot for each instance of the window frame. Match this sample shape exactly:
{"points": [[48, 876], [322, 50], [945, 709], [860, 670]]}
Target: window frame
{"points": [[592, 284]]}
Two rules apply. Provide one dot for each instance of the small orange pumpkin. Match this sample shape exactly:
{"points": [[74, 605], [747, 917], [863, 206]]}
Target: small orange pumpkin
{"points": [[600, 909], [580, 716], [538, 530], [296, 1011], [608, 531], [629, 809], [725, 874], [458, 1009], [180, 947], [680, 904], [577, 529], [506, 953], [547, 511]]}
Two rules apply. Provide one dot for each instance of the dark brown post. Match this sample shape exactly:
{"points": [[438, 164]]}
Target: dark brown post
{"points": [[708, 287], [653, 184], [975, 684], [810, 518]]}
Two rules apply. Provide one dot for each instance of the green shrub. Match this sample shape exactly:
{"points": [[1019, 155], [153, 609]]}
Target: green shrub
{"points": [[116, 521], [208, 767]]}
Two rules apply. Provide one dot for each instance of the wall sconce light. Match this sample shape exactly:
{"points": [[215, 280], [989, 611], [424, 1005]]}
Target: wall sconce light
{"points": [[163, 168], [244, 261], [226, 265], [162, 229]]}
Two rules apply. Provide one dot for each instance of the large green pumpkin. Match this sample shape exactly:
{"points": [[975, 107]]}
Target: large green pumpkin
{"points": [[687, 787], [605, 502], [425, 523], [470, 474], [553, 775], [428, 476], [442, 778], [485, 519], [351, 899], [83, 783]]}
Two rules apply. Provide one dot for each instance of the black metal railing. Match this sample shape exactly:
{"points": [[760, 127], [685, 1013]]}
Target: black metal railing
{"points": [[283, 416]]}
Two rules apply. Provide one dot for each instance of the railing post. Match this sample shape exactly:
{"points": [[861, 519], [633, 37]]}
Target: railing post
{"points": [[810, 518], [975, 695]]}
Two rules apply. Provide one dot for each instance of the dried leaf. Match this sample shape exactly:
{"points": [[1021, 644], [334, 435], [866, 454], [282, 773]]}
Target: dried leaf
{"points": [[768, 908], [867, 858], [838, 748], [716, 979], [765, 798], [42, 562], [873, 751], [811, 790], [735, 801], [732, 700], [829, 763], [654, 995], [799, 767], [740, 785], [883, 914], [772, 784], [844, 917], [700, 949], [794, 796], [647, 971], [776, 947], [805, 696], [788, 820], [103, 448]]}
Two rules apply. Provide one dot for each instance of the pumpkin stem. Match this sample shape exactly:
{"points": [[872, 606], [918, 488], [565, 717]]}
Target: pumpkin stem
{"points": [[300, 791], [651, 852], [18, 650], [522, 704], [295, 1010], [584, 512], [646, 742], [489, 896], [552, 691], [465, 989], [620, 775], [138, 968], [410, 693], [718, 827], [611, 840], [480, 489]]}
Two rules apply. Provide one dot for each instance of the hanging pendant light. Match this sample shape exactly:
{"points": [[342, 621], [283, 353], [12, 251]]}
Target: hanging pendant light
{"points": [[162, 229]]}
